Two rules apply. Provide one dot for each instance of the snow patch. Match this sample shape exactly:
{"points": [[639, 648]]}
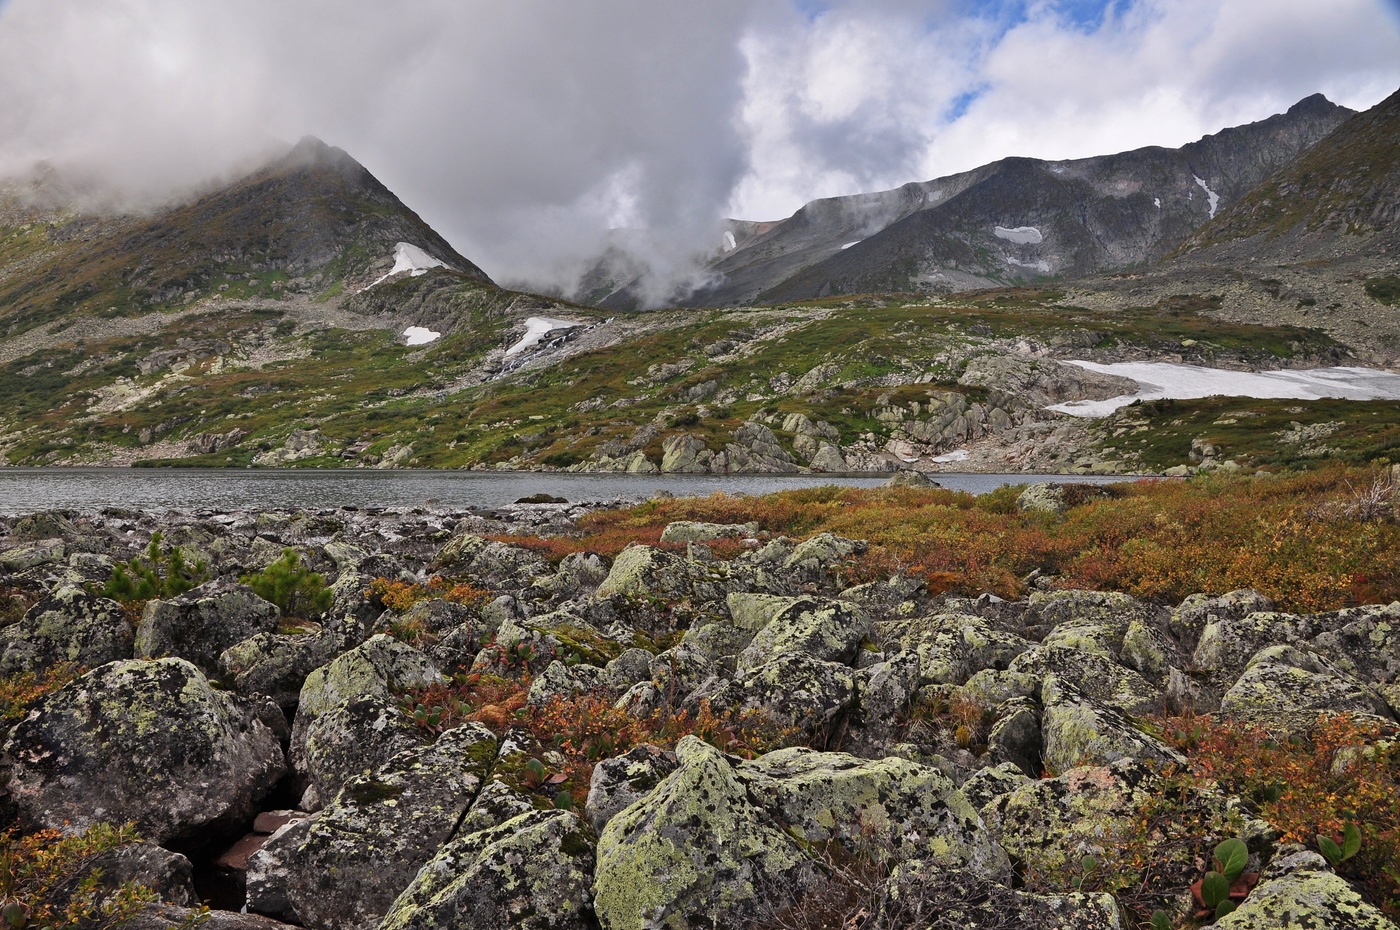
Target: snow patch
{"points": [[730, 243], [1157, 202], [957, 455], [1058, 169], [1214, 197], [849, 244], [933, 196], [419, 336], [1162, 380], [536, 328], [1042, 266], [408, 257], [1021, 235]]}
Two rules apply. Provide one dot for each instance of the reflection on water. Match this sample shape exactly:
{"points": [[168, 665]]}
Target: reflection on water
{"points": [[24, 490]]}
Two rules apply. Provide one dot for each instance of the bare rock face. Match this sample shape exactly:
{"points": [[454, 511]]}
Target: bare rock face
{"points": [[145, 741]]}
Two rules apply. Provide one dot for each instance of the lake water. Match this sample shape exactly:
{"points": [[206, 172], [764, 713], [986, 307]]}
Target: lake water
{"points": [[25, 490]]}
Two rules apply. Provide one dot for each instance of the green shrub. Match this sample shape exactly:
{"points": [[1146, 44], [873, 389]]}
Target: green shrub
{"points": [[296, 589], [1385, 289], [160, 573]]}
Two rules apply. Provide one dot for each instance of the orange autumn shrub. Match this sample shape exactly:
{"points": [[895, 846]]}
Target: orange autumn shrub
{"points": [[1343, 771], [400, 596], [1296, 539]]}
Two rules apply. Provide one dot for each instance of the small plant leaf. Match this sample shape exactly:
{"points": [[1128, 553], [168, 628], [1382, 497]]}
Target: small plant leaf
{"points": [[1329, 848], [1089, 863], [1231, 856], [1351, 841], [1215, 888], [1160, 920], [1224, 907]]}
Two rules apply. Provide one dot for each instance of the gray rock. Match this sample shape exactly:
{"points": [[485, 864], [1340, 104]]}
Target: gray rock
{"points": [[1305, 899], [686, 531], [826, 630], [277, 664], [149, 742], [69, 625], [201, 623], [534, 872], [1077, 730], [344, 868], [621, 781], [1016, 737], [169, 874], [912, 810], [694, 852], [353, 738], [1284, 687]]}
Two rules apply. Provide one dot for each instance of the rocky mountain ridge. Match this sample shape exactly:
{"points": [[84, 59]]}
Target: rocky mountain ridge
{"points": [[1013, 221]]}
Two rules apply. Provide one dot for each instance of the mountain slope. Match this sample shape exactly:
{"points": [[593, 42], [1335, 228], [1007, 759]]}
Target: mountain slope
{"points": [[1015, 220], [313, 221]]}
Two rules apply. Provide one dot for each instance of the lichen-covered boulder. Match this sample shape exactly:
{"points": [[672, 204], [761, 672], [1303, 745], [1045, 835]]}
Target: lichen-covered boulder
{"points": [[1190, 617], [695, 852], [639, 571], [533, 872], [826, 630], [952, 647], [204, 621], [17, 559], [169, 874], [1228, 643], [622, 780], [353, 738], [815, 559], [797, 690], [491, 564], [377, 667], [963, 899], [276, 664], [751, 611], [1077, 730], [884, 692], [687, 531], [564, 681], [344, 868], [1305, 899], [145, 741], [912, 810], [69, 625], [1285, 687], [1094, 674], [1365, 643], [1049, 825], [986, 785]]}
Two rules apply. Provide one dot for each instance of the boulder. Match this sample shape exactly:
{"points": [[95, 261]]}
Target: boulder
{"points": [[1095, 675], [639, 571], [694, 852], [686, 531], [953, 647], [378, 667], [798, 691], [353, 738], [831, 631], [169, 874], [69, 625], [18, 559], [1305, 899], [145, 741], [1227, 644], [1078, 730], [1190, 617], [622, 780], [533, 872], [204, 621], [891, 808], [276, 664], [491, 564], [815, 560], [1284, 687], [1016, 736], [344, 868]]}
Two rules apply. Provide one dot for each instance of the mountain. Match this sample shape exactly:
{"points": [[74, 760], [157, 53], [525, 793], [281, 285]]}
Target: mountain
{"points": [[313, 222], [1015, 220], [1315, 244]]}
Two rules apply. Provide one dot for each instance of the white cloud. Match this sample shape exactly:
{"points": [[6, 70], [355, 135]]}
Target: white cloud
{"points": [[522, 130]]}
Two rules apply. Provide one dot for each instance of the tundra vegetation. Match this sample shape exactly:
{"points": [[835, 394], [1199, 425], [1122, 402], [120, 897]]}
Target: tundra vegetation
{"points": [[1114, 739]]}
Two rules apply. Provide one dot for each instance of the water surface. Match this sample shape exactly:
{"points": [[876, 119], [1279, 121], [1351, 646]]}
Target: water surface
{"points": [[25, 490]]}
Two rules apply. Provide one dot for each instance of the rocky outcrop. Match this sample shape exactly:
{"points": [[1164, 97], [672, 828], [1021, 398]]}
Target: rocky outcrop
{"points": [[201, 623]]}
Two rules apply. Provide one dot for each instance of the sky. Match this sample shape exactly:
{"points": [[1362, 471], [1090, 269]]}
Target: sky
{"points": [[523, 131]]}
